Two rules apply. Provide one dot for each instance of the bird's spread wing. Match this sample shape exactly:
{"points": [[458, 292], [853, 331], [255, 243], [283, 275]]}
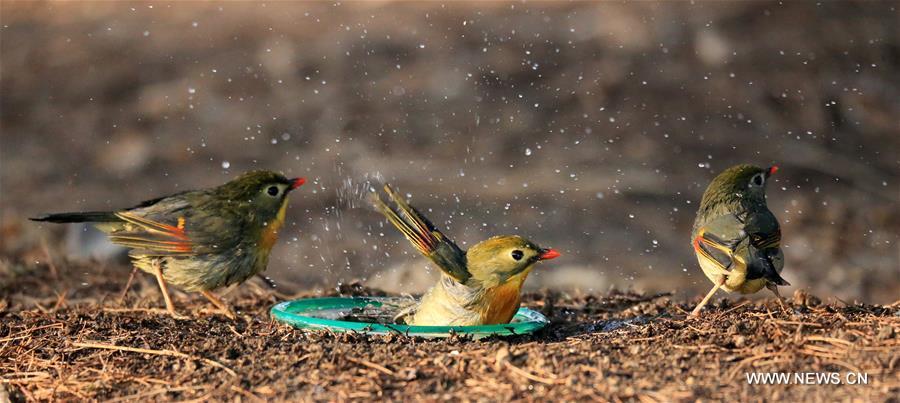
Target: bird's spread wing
{"points": [[424, 236]]}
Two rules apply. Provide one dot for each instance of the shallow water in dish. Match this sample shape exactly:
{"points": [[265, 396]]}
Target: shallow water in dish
{"points": [[369, 314], [380, 310], [333, 314], [375, 315]]}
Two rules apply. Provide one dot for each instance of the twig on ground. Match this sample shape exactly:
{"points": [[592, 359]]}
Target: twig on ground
{"points": [[170, 353], [372, 365]]}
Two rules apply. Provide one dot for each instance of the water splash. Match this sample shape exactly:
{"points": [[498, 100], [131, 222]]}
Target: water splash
{"points": [[355, 193]]}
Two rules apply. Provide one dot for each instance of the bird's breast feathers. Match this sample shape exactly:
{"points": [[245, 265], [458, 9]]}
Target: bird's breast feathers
{"points": [[501, 302], [270, 232], [450, 303]]}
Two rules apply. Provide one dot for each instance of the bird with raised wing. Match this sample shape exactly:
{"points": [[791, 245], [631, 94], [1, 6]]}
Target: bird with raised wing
{"points": [[481, 286]]}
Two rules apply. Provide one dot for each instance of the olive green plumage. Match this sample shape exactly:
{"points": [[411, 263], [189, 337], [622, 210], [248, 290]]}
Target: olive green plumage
{"points": [[493, 261], [731, 191], [204, 239], [735, 236]]}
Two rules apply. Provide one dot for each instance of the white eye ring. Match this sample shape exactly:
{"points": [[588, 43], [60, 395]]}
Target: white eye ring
{"points": [[758, 180]]}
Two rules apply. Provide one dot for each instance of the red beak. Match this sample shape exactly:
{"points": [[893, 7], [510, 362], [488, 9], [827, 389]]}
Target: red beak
{"points": [[772, 170], [548, 254], [297, 182]]}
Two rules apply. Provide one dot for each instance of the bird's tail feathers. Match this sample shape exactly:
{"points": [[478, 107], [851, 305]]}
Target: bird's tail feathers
{"points": [[88, 216], [776, 278]]}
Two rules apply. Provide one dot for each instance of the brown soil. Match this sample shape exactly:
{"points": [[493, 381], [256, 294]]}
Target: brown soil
{"points": [[66, 335]]}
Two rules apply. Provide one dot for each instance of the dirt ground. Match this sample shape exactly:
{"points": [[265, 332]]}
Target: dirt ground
{"points": [[62, 339]]}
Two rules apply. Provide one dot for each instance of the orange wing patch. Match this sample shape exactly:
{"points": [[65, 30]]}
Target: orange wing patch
{"points": [[154, 236]]}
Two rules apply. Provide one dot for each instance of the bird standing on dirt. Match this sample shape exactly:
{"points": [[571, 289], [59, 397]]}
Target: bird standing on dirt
{"points": [[480, 286], [735, 236], [200, 240]]}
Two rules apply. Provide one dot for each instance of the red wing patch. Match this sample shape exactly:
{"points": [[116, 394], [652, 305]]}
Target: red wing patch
{"points": [[153, 236]]}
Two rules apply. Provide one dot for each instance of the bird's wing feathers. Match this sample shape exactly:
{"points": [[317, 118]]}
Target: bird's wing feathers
{"points": [[718, 240], [766, 256], [424, 236], [150, 237], [175, 226], [766, 240], [707, 246], [732, 237]]}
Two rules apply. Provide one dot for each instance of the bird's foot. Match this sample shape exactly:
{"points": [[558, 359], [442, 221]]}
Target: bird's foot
{"points": [[778, 298], [222, 306], [229, 313], [176, 315]]}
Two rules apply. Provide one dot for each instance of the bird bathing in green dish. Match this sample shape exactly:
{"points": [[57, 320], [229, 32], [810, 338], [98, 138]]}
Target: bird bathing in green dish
{"points": [[375, 315]]}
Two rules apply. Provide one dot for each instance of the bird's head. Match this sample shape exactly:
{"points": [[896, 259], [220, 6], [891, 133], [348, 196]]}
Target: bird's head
{"points": [[265, 191], [496, 260], [744, 181]]}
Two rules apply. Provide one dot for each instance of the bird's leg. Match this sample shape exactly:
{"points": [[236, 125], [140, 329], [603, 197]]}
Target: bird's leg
{"points": [[157, 270], [778, 297], [696, 312], [222, 305], [134, 270]]}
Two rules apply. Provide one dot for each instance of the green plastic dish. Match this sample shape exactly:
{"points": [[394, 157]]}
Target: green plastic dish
{"points": [[314, 314]]}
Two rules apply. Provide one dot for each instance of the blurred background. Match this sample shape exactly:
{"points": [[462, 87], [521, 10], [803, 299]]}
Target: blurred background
{"points": [[591, 128]]}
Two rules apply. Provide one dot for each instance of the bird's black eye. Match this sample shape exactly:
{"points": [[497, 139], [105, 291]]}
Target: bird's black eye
{"points": [[517, 254], [758, 180], [272, 190]]}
